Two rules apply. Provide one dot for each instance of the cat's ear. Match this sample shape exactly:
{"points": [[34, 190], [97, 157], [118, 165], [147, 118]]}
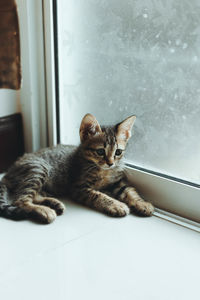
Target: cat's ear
{"points": [[89, 127], [124, 129]]}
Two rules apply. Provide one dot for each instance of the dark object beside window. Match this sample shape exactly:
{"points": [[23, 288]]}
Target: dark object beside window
{"points": [[10, 68], [11, 140]]}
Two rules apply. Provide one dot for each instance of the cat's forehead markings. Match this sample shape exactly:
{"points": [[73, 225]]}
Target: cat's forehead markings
{"points": [[97, 146], [110, 136], [96, 143]]}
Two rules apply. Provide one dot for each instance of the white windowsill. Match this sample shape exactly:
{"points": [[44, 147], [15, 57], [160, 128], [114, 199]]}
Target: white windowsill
{"points": [[86, 255]]}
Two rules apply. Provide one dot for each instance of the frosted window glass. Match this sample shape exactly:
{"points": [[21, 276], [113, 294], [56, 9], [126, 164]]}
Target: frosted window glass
{"points": [[118, 58]]}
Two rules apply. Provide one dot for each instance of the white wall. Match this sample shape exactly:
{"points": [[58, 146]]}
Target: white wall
{"points": [[9, 102], [31, 99]]}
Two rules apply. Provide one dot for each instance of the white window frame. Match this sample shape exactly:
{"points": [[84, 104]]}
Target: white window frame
{"points": [[51, 93], [33, 89], [167, 194]]}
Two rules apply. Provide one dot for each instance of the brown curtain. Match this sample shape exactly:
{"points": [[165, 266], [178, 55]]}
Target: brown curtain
{"points": [[10, 71]]}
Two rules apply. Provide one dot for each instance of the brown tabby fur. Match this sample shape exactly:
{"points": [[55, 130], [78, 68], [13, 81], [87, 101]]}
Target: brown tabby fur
{"points": [[91, 174]]}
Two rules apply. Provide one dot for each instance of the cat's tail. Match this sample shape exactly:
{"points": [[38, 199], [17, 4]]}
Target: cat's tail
{"points": [[7, 210]]}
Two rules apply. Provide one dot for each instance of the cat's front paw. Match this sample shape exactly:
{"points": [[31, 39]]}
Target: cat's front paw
{"points": [[143, 208], [117, 209]]}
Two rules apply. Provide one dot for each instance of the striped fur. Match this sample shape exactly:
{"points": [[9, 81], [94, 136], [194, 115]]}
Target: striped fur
{"points": [[91, 174], [129, 195]]}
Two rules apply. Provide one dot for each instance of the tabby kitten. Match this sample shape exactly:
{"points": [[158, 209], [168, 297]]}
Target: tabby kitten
{"points": [[91, 174]]}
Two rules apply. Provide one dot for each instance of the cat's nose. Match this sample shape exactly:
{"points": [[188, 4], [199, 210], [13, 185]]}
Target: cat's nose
{"points": [[109, 164]]}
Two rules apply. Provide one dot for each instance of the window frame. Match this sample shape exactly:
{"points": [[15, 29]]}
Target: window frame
{"points": [[33, 89], [167, 194], [52, 92]]}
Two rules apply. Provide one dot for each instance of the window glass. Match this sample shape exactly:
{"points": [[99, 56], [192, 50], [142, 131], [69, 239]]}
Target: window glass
{"points": [[118, 58]]}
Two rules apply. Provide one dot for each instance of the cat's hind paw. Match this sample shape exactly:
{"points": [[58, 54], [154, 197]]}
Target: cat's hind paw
{"points": [[42, 214], [55, 204]]}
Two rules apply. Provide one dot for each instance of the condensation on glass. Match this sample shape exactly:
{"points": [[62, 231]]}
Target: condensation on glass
{"points": [[118, 58]]}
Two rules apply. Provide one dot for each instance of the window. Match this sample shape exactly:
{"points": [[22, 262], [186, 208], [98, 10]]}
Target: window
{"points": [[113, 59], [118, 58]]}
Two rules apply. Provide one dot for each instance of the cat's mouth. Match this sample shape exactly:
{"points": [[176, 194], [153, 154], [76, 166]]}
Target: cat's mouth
{"points": [[108, 167]]}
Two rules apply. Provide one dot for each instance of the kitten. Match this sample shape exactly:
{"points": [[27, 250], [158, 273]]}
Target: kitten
{"points": [[91, 174]]}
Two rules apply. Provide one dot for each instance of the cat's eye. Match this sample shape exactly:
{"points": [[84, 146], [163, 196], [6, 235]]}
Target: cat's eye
{"points": [[100, 152], [118, 152]]}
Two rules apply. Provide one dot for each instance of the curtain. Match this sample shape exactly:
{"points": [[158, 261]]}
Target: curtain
{"points": [[10, 70]]}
